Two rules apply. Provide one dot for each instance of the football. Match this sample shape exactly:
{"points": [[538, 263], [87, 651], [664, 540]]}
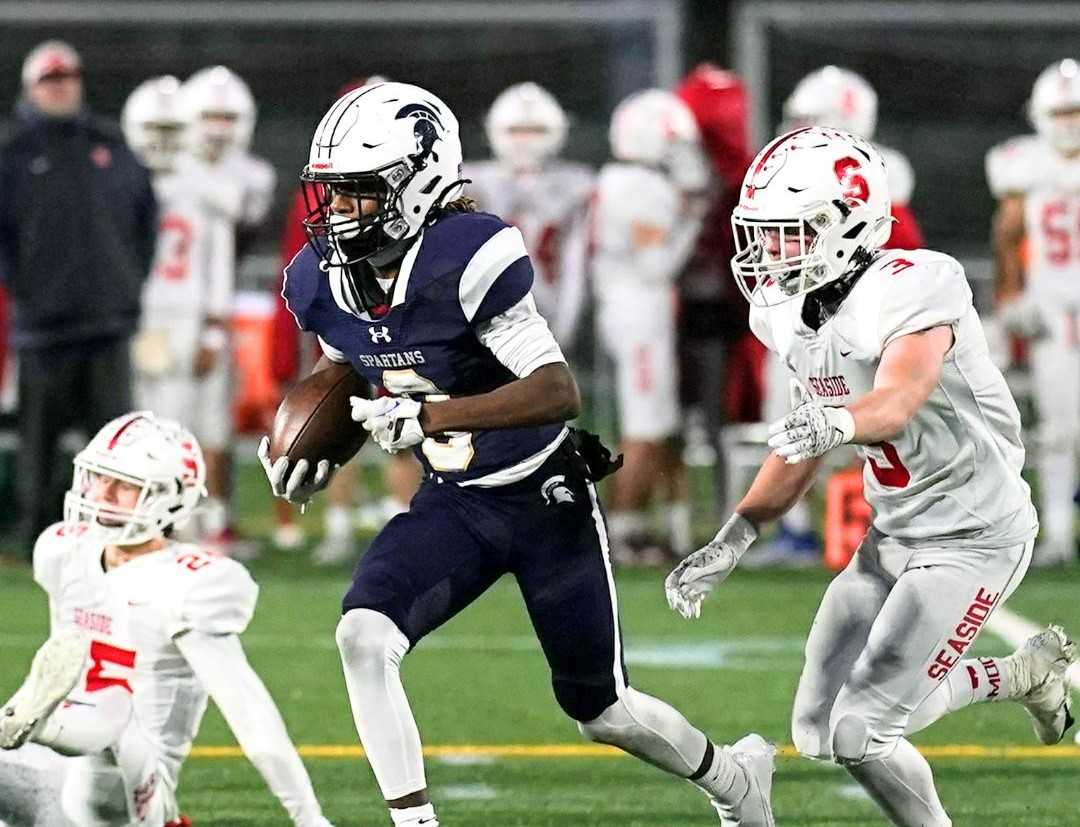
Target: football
{"points": [[313, 423]]}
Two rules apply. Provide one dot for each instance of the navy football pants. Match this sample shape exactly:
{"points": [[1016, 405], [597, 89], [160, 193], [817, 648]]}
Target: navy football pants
{"points": [[428, 564]]}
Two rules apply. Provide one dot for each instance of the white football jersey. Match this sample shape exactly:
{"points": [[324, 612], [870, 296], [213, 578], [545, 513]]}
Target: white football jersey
{"points": [[952, 478], [549, 206], [899, 174], [194, 264], [633, 199], [133, 613], [1050, 186]]}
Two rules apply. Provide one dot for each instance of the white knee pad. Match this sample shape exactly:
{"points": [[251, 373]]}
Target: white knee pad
{"points": [[370, 641], [810, 733], [851, 741], [650, 729]]}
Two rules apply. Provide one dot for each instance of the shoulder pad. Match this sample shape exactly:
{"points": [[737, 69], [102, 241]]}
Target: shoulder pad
{"points": [[50, 550], [918, 290], [453, 240], [300, 287], [218, 593], [759, 326], [1011, 167]]}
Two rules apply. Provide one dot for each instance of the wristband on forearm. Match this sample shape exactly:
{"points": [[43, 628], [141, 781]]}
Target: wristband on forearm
{"points": [[737, 533]]}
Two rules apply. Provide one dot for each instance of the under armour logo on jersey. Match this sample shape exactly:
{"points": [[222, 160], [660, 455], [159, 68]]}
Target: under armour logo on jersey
{"points": [[556, 491], [379, 334]]}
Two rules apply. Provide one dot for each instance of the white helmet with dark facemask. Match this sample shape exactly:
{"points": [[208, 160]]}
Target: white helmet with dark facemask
{"points": [[395, 143], [154, 122], [526, 126], [159, 457], [813, 206], [1055, 106]]}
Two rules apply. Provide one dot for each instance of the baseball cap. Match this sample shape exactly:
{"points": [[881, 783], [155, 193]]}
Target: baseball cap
{"points": [[53, 58]]}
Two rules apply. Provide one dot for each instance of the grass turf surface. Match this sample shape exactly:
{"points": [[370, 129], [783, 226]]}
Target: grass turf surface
{"points": [[482, 680]]}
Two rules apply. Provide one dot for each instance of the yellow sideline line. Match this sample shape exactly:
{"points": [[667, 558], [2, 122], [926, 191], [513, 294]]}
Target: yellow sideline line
{"points": [[975, 751]]}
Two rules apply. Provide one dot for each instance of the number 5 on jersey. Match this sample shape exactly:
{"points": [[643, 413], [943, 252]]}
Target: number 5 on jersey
{"points": [[451, 451]]}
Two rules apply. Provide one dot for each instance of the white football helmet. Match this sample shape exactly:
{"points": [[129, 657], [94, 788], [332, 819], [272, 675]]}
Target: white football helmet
{"points": [[1055, 106], [526, 126], [221, 110], [656, 128], [393, 141], [154, 124], [834, 97], [814, 205], [159, 456]]}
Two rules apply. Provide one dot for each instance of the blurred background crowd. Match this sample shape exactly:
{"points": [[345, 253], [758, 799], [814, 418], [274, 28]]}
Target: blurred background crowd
{"points": [[149, 200]]}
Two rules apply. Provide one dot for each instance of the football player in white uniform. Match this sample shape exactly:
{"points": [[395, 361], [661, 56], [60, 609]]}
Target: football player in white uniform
{"points": [[841, 99], [143, 630], [1036, 179], [222, 113], [646, 217], [888, 354], [545, 197], [181, 350]]}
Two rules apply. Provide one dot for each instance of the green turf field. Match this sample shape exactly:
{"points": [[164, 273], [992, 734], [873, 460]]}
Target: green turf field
{"points": [[481, 682]]}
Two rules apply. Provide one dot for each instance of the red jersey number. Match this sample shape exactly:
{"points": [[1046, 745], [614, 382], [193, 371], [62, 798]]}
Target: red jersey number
{"points": [[886, 465], [174, 247], [103, 656], [1061, 232]]}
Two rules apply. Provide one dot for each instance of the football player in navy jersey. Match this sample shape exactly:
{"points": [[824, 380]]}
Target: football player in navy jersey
{"points": [[429, 301]]}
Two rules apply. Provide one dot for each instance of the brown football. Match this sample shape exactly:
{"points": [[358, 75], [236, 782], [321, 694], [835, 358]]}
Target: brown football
{"points": [[313, 422]]}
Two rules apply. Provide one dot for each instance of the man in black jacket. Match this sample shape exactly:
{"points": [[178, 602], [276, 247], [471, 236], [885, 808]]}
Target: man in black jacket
{"points": [[77, 233]]}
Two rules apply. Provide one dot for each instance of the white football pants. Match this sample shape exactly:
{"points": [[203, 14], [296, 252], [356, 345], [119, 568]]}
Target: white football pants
{"points": [[890, 629]]}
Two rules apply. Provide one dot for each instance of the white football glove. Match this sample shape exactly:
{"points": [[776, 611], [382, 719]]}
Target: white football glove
{"points": [[809, 431], [392, 421], [708, 567], [292, 485]]}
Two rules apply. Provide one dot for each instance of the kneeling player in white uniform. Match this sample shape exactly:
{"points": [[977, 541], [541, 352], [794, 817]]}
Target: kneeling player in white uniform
{"points": [[647, 214], [890, 355], [143, 630], [1036, 179]]}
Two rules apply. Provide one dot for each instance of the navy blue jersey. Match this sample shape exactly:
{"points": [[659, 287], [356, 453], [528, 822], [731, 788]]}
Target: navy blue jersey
{"points": [[464, 270]]}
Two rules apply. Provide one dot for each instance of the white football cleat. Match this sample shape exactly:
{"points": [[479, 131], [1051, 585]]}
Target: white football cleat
{"points": [[1036, 679], [53, 674], [757, 757]]}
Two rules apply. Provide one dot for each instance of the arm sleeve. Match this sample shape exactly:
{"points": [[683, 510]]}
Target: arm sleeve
{"points": [[930, 294], [520, 338], [331, 352], [222, 667], [497, 276]]}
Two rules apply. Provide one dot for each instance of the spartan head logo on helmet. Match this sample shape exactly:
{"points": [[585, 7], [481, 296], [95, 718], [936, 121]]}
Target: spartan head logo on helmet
{"points": [[426, 126]]}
